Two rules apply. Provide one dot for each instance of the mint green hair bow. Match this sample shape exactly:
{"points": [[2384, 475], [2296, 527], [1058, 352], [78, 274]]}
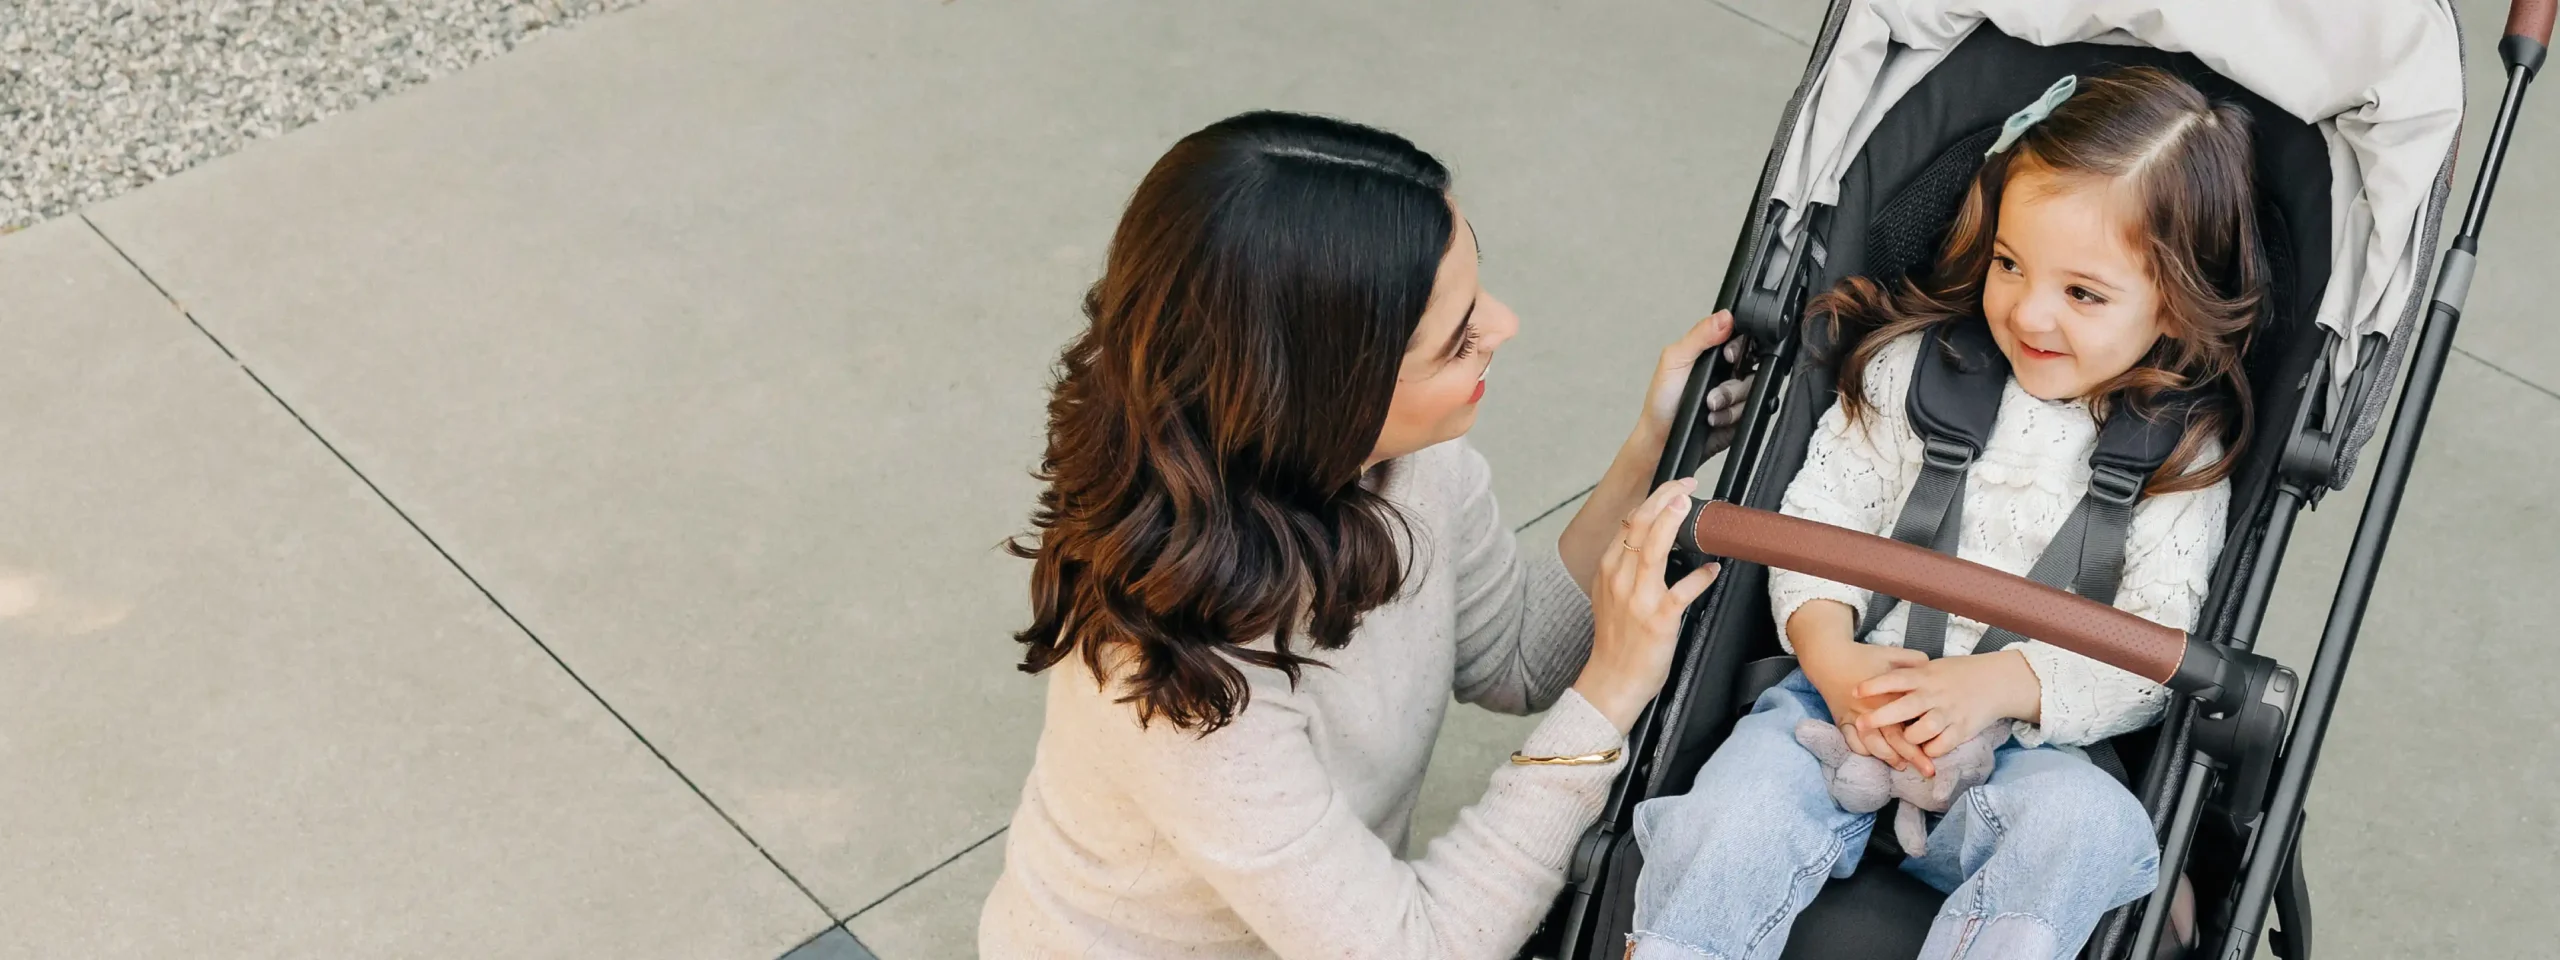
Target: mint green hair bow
{"points": [[2033, 113]]}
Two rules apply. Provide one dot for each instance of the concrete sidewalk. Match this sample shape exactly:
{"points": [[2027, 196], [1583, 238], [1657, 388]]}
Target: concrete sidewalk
{"points": [[552, 512]]}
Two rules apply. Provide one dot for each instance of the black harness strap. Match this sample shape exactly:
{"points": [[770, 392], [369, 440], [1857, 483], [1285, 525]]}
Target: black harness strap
{"points": [[2086, 555], [1932, 517], [1952, 403]]}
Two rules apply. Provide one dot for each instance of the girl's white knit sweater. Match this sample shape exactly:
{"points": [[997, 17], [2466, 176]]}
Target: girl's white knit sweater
{"points": [[2021, 488]]}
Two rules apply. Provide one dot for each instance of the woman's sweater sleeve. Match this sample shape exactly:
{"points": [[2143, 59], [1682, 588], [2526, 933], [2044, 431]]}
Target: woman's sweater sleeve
{"points": [[1852, 477], [2169, 554], [1253, 811], [1524, 627]]}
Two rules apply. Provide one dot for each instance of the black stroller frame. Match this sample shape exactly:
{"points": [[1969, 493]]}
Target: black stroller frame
{"points": [[2228, 773]]}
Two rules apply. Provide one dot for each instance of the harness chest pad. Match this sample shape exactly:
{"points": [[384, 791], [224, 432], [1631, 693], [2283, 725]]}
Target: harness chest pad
{"points": [[1956, 385]]}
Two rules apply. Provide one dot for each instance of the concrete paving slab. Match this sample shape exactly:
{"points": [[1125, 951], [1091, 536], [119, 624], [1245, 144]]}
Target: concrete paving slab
{"points": [[250, 713], [2431, 827], [937, 918], [712, 337]]}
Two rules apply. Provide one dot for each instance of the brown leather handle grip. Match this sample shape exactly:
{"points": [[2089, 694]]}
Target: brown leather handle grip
{"points": [[1960, 587], [2531, 19]]}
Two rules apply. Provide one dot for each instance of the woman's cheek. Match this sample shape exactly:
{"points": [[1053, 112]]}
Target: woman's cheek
{"points": [[1459, 405], [1455, 397]]}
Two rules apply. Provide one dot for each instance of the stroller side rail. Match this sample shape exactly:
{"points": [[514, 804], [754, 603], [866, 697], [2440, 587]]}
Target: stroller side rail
{"points": [[2523, 48]]}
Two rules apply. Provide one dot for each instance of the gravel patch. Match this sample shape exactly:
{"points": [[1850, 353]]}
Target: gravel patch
{"points": [[98, 97]]}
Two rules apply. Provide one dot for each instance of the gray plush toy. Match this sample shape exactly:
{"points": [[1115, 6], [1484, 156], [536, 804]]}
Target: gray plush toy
{"points": [[1864, 784]]}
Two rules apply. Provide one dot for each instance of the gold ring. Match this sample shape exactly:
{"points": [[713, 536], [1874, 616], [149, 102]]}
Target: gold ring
{"points": [[1622, 541]]}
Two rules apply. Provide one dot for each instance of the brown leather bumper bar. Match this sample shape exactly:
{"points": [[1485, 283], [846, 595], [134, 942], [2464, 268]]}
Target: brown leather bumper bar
{"points": [[1960, 587]]}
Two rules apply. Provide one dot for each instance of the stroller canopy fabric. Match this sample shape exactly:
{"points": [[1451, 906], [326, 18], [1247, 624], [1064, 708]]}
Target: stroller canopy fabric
{"points": [[2381, 79]]}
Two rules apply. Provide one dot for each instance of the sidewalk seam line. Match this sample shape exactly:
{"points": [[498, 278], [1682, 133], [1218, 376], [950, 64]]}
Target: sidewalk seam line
{"points": [[1763, 24], [155, 285], [475, 583], [919, 878], [1551, 511], [2510, 374]]}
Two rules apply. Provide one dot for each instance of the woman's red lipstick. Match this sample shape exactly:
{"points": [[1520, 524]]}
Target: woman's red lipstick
{"points": [[1479, 394]]}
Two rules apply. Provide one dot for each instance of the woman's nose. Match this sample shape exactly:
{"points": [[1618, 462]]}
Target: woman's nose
{"points": [[1499, 322]]}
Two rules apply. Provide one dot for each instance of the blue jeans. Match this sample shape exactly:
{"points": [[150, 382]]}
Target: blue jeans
{"points": [[2029, 861]]}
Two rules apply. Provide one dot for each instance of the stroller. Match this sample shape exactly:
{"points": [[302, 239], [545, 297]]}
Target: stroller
{"points": [[1905, 115]]}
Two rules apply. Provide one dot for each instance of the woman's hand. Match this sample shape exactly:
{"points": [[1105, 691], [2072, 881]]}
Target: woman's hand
{"points": [[1635, 619], [1591, 534], [1948, 701], [1671, 376]]}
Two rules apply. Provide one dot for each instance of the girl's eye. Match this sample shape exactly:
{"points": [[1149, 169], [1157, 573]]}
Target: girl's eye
{"points": [[2085, 295], [1467, 344], [2005, 264]]}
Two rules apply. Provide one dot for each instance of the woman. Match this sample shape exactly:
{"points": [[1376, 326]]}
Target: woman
{"points": [[1265, 560]]}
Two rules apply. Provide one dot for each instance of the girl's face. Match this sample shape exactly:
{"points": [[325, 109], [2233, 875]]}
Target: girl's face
{"points": [[2068, 296], [1444, 365]]}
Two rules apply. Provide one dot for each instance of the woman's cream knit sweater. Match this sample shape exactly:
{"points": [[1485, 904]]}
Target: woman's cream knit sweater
{"points": [[1278, 835]]}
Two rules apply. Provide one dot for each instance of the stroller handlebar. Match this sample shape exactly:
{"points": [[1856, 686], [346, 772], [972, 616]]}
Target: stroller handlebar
{"points": [[2531, 19], [1959, 587]]}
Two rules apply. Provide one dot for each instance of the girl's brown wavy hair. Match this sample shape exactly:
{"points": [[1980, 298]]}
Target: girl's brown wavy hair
{"points": [[1209, 430], [2187, 161]]}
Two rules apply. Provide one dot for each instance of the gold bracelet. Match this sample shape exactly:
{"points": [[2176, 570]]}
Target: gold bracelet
{"points": [[1589, 759]]}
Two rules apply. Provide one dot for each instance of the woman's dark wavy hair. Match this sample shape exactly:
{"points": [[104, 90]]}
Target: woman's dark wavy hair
{"points": [[2187, 161], [1209, 430]]}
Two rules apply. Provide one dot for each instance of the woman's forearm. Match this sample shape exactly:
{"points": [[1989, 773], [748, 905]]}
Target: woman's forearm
{"points": [[1624, 485]]}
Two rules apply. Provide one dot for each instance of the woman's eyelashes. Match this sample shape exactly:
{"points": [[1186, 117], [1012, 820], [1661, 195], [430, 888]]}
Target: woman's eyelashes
{"points": [[1469, 341], [2003, 262]]}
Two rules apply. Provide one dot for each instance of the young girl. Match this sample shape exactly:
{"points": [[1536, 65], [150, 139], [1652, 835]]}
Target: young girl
{"points": [[2110, 245]]}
